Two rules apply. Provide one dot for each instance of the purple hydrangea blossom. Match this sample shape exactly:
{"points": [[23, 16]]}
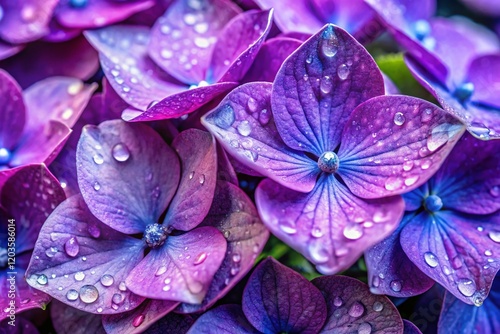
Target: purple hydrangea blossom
{"points": [[188, 58], [34, 124], [455, 216], [335, 151], [28, 194], [278, 300]]}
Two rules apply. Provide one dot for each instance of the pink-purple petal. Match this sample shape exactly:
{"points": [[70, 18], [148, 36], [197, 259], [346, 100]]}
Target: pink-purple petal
{"points": [[351, 307], [82, 262], [12, 113], [126, 173], [330, 226], [393, 144], [319, 86], [7, 50], [225, 319], [277, 299], [244, 125], [182, 39], [482, 75], [182, 269], [194, 194]]}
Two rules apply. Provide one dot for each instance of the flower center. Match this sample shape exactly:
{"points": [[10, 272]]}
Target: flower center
{"points": [[464, 91], [3, 258], [155, 235], [5, 156], [328, 162], [433, 203], [78, 3]]}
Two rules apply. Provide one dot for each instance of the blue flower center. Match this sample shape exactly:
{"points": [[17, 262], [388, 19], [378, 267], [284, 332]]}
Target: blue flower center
{"points": [[5, 156], [464, 91], [78, 3], [433, 203], [329, 162], [155, 235], [422, 29]]}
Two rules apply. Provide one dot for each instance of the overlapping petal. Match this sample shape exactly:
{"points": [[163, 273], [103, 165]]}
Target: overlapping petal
{"points": [[71, 320], [13, 111], [482, 75], [225, 319]]}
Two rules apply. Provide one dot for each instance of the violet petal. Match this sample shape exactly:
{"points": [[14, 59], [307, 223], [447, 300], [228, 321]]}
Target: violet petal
{"points": [[319, 86], [482, 75], [410, 328], [71, 320], [225, 319], [7, 50], [12, 113]]}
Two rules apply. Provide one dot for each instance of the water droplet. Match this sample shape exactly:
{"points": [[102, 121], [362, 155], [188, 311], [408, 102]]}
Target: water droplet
{"points": [[201, 28], [264, 117], [97, 186], [288, 226], [422, 29], [107, 280], [120, 152], [329, 43], [325, 84], [488, 252], [98, 159], [317, 232], [72, 295], [356, 310], [51, 252], [495, 191], [195, 287], [480, 228], [353, 231], [446, 270], [343, 71], [318, 252], [227, 234], [117, 298], [252, 104], [495, 236], [200, 258], [411, 180], [337, 301], [393, 183], [88, 294], [236, 257], [396, 285], [376, 281], [72, 247], [378, 306], [244, 128], [42, 279], [201, 42], [399, 118], [138, 320], [201, 179], [79, 276], [67, 113], [160, 271], [235, 270], [431, 259], [364, 328], [466, 286], [94, 231], [426, 115], [223, 117], [122, 286]]}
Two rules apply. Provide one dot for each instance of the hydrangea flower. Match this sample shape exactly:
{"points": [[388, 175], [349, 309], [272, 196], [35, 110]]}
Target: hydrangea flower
{"points": [[34, 124], [28, 194], [335, 151], [128, 177], [276, 299], [455, 216], [188, 58]]}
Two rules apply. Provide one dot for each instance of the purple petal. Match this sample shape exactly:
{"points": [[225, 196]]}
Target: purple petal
{"points": [[225, 319], [25, 20], [124, 60], [82, 262], [172, 323], [319, 86], [7, 50], [469, 180], [22, 326], [182, 103], [390, 87], [98, 13], [330, 226], [410, 328], [225, 171], [235, 216], [481, 74], [59, 33], [244, 126], [140, 318], [352, 307], [458, 251], [400, 150], [391, 272], [59, 98], [194, 194], [12, 113], [270, 57], [276, 299], [182, 39], [40, 60], [182, 269], [484, 7], [252, 28], [71, 320], [126, 173]]}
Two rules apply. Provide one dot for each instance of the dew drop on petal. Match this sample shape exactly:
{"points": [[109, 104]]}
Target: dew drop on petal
{"points": [[329, 43], [107, 280], [337, 301], [117, 298], [244, 128], [396, 285], [378, 306], [42, 279], [161, 270], [120, 152], [356, 310], [325, 84], [466, 286], [495, 236], [399, 119], [236, 257], [79, 276], [316, 232], [201, 179], [51, 252], [97, 186], [195, 287], [376, 281], [138, 320], [353, 231], [252, 104], [288, 226], [72, 295], [264, 117], [343, 71], [122, 286], [430, 259], [318, 252], [88, 294], [364, 328], [488, 252], [426, 115], [98, 159], [72, 247], [200, 258], [94, 231], [446, 270], [393, 183]]}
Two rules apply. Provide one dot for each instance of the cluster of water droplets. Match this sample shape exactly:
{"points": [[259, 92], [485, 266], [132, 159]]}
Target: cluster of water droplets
{"points": [[119, 152], [355, 310]]}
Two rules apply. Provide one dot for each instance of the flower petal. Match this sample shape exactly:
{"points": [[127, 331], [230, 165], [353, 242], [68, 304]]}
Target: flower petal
{"points": [[410, 328], [171, 323], [393, 144], [235, 216], [352, 307], [82, 262], [458, 251], [481, 74], [225, 319], [12, 113], [71, 320], [195, 192], [182, 269], [276, 299], [182, 39], [124, 60], [329, 226], [127, 174], [232, 57], [7, 50], [319, 86], [244, 126]]}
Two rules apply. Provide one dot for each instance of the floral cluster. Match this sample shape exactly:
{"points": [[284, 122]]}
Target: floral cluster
{"points": [[251, 166]]}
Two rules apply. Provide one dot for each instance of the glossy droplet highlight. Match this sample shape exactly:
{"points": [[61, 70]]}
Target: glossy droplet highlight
{"points": [[399, 118], [97, 186], [72, 295], [329, 43], [378, 306], [464, 91], [72, 247], [430, 259], [364, 328], [223, 117], [337, 301], [107, 280], [288, 226], [51, 252], [495, 236], [138, 320], [356, 310], [236, 258], [195, 287], [244, 128], [466, 286], [326, 84], [329, 162], [353, 231], [98, 159], [252, 104], [200, 259], [42, 279], [79, 276], [343, 71], [117, 298], [160, 271], [396, 285], [88, 294], [120, 152], [5, 156]]}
